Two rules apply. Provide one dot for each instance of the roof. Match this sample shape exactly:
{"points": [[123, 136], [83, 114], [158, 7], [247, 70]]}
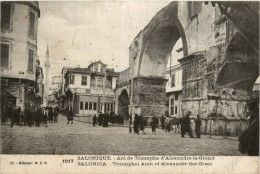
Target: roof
{"points": [[109, 72], [98, 62], [79, 70]]}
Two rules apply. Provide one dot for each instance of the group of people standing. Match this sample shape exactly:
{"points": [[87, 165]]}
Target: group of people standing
{"points": [[186, 128], [184, 124], [104, 118], [140, 122], [33, 116]]}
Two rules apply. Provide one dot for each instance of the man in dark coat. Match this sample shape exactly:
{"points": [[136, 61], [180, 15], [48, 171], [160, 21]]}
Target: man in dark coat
{"points": [[56, 113], [50, 114], [186, 124], [136, 124], [70, 116], [154, 124], [100, 119], [249, 140], [29, 117], [94, 120], [198, 126], [142, 121], [15, 117], [162, 122], [38, 116], [106, 119]]}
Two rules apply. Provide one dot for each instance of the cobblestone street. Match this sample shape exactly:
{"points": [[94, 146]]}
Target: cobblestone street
{"points": [[82, 138]]}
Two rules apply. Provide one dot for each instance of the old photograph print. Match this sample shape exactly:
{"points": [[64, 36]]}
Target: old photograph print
{"points": [[130, 78]]}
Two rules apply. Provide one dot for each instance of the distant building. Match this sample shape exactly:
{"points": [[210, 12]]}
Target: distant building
{"points": [[90, 90], [19, 27]]}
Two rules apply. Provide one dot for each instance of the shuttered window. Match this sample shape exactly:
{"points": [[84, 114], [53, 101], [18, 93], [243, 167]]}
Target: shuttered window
{"points": [[5, 15], [4, 55], [30, 60], [84, 80], [32, 23], [72, 77]]}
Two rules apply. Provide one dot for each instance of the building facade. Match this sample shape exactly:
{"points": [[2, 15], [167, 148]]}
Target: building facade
{"points": [[19, 26], [90, 90], [173, 90]]}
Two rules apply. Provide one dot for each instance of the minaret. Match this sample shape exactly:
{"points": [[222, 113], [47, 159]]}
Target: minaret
{"points": [[47, 66]]}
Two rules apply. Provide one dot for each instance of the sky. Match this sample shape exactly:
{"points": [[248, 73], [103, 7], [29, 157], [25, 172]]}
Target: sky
{"points": [[79, 33]]}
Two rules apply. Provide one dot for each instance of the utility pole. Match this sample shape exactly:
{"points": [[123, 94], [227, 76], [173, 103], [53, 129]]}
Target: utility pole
{"points": [[131, 100], [104, 87]]}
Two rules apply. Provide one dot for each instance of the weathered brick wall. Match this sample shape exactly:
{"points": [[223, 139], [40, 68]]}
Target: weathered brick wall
{"points": [[149, 96]]}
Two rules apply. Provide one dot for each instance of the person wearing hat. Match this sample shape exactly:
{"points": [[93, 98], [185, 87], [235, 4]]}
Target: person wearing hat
{"points": [[249, 140], [198, 126], [186, 125]]}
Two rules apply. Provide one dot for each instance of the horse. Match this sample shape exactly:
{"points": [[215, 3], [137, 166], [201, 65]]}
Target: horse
{"points": [[176, 122]]}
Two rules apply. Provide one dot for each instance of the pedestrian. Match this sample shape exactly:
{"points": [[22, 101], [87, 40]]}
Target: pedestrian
{"points": [[162, 122], [186, 124], [136, 124], [70, 116], [56, 113], [38, 116], [29, 117], [94, 120], [15, 117], [50, 114], [197, 126], [142, 121], [100, 119], [45, 117], [168, 124], [153, 124]]}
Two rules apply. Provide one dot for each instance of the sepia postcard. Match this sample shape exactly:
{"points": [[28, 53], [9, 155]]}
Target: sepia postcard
{"points": [[129, 87]]}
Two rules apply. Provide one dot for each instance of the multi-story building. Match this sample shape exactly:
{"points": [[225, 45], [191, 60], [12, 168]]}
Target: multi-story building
{"points": [[90, 90], [19, 25], [63, 100], [173, 90]]}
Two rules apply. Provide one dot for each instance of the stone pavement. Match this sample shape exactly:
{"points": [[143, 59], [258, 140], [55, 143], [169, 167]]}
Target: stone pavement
{"points": [[83, 138]]}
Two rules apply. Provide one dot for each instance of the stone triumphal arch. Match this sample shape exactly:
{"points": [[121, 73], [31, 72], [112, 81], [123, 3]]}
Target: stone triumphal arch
{"points": [[220, 62]]}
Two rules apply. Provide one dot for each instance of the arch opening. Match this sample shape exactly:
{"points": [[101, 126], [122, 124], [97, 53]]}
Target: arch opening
{"points": [[242, 65], [159, 46]]}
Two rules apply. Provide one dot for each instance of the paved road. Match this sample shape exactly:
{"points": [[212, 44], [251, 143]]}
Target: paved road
{"points": [[82, 138]]}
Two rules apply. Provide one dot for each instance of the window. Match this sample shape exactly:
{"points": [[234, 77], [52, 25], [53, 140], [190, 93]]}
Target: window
{"points": [[81, 105], [102, 69], [176, 109], [112, 107], [95, 107], [176, 96], [84, 80], [173, 80], [86, 105], [172, 107], [90, 105], [4, 55], [96, 68], [5, 15], [72, 77], [30, 60], [100, 82], [105, 107], [32, 23]]}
